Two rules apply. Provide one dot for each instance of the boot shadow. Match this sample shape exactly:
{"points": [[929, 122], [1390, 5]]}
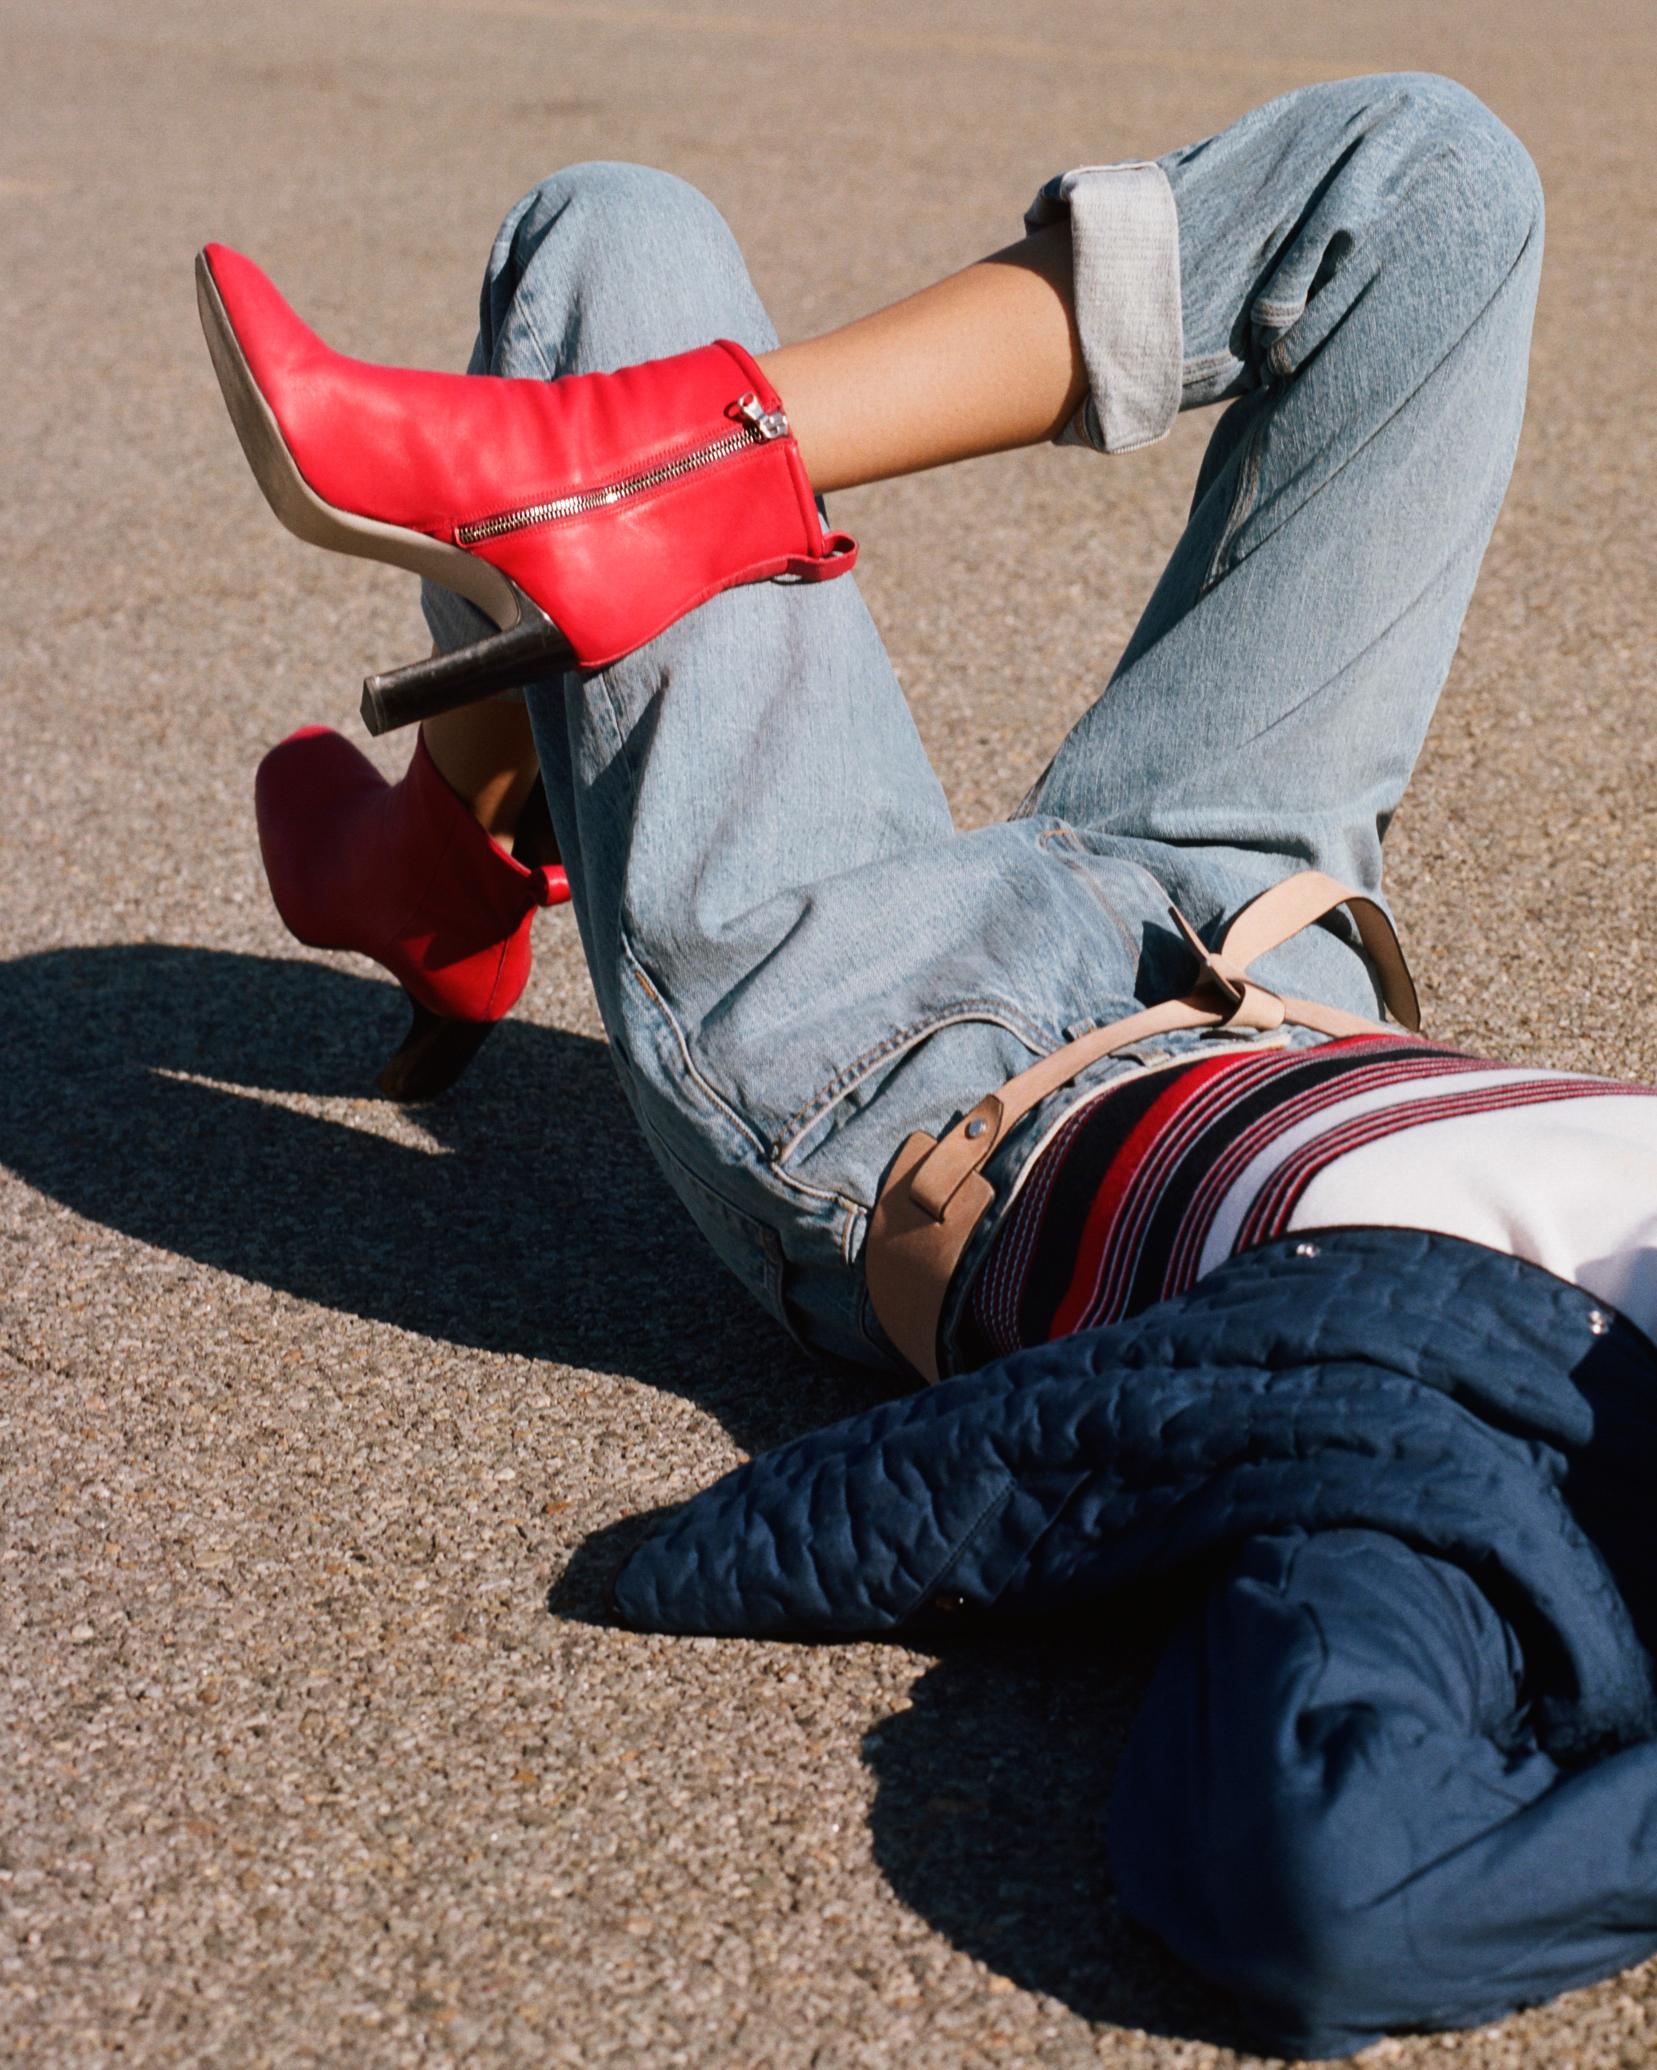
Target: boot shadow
{"points": [[148, 1088], [145, 1089]]}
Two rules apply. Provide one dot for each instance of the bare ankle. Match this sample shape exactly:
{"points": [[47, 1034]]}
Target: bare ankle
{"points": [[485, 753]]}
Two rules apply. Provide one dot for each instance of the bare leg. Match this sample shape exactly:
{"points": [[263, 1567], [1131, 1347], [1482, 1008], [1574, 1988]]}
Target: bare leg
{"points": [[485, 754], [981, 362]]}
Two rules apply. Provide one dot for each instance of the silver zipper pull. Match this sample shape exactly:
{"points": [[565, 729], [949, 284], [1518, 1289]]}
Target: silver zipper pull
{"points": [[768, 423]]}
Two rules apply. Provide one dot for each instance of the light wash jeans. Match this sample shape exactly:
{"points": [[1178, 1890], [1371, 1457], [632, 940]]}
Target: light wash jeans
{"points": [[797, 956]]}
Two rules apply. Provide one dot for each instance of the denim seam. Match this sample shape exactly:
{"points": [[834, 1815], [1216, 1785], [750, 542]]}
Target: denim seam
{"points": [[805, 1188], [754, 1228], [533, 336], [505, 264], [1336, 922], [868, 1323], [1279, 365], [998, 1011], [1196, 373], [671, 1021], [1242, 501], [1067, 837], [697, 1078], [1234, 524], [618, 732]]}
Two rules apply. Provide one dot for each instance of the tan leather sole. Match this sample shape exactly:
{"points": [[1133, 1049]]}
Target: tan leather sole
{"points": [[298, 505]]}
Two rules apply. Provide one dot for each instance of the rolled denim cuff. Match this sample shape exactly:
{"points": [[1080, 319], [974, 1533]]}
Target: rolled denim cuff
{"points": [[1124, 235]]}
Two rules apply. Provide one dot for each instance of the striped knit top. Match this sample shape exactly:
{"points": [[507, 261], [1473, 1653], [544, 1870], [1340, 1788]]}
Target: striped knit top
{"points": [[1164, 1176]]}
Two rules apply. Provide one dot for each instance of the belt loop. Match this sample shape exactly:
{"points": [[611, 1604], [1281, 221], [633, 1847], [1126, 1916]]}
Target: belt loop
{"points": [[965, 1150]]}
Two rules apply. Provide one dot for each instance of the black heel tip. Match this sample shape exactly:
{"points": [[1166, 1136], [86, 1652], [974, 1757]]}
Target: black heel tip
{"points": [[432, 1055], [374, 715]]}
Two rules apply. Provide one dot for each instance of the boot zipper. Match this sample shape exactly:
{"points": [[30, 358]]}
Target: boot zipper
{"points": [[760, 427]]}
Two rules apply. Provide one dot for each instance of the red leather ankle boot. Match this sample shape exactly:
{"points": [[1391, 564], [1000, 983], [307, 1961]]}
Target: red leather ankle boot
{"points": [[583, 514], [401, 872]]}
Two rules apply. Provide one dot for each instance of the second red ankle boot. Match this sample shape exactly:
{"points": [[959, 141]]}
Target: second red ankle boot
{"points": [[403, 873]]}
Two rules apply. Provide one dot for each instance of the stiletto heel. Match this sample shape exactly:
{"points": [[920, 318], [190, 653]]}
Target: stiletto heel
{"points": [[505, 661], [403, 873], [584, 515], [431, 1056]]}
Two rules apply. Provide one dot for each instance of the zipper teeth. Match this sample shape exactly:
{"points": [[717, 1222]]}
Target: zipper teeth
{"points": [[613, 492]]}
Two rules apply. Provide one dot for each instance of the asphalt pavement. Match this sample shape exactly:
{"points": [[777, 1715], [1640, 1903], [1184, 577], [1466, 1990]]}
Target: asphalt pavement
{"points": [[306, 1403]]}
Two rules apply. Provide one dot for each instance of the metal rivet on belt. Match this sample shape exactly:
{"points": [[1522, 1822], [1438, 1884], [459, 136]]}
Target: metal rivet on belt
{"points": [[1306, 1250], [976, 1128], [1598, 1321]]}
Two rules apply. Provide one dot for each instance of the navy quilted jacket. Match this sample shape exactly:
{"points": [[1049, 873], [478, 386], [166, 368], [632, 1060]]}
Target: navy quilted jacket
{"points": [[1398, 1768]]}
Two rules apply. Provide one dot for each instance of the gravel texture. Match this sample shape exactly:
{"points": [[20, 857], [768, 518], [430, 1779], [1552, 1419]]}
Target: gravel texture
{"points": [[308, 1403]]}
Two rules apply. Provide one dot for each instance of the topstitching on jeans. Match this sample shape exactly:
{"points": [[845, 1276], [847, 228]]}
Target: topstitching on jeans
{"points": [[1000, 1012], [1196, 373], [1336, 923], [756, 1234], [506, 352], [1065, 836], [1247, 457], [716, 1100], [670, 1020]]}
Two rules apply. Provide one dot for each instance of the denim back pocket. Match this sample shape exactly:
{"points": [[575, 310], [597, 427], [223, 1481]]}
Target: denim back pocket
{"points": [[924, 1075]]}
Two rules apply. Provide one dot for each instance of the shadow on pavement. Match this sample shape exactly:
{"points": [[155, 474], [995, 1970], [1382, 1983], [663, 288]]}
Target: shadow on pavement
{"points": [[989, 1821], [539, 1227], [991, 1790]]}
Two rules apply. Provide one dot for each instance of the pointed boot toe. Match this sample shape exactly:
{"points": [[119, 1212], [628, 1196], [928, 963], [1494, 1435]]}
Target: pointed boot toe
{"points": [[584, 514]]}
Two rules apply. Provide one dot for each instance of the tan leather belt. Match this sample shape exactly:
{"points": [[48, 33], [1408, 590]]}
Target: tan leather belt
{"points": [[935, 1195]]}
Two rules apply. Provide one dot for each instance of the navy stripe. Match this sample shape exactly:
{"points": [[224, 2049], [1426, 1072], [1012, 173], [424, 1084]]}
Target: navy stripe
{"points": [[1028, 1271]]}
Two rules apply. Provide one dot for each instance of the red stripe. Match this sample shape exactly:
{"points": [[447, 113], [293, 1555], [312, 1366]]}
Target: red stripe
{"points": [[1141, 1141], [1000, 1288], [1234, 1158], [1182, 1140], [1197, 1120], [1372, 1064], [1364, 1129], [1184, 1132], [1116, 1254]]}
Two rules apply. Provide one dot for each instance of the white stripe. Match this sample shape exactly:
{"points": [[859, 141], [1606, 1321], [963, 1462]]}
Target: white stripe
{"points": [[1367, 1071], [1240, 1195], [1571, 1186]]}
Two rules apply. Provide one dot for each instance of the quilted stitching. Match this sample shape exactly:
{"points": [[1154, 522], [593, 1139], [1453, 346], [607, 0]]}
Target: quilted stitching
{"points": [[1397, 1768], [1408, 1382]]}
